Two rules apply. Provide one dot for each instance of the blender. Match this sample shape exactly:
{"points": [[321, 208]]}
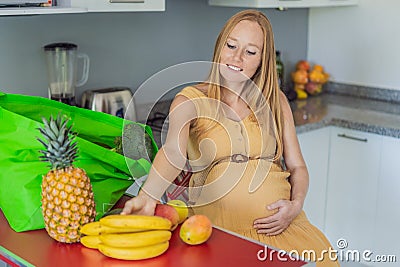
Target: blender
{"points": [[62, 61]]}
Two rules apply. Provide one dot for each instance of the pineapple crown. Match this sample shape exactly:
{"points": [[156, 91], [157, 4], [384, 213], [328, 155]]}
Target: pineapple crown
{"points": [[59, 142]]}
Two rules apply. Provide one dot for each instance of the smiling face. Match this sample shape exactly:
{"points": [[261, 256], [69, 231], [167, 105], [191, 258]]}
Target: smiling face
{"points": [[241, 54]]}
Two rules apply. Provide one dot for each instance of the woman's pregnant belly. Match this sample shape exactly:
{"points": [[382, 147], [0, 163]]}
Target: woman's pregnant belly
{"points": [[230, 204]]}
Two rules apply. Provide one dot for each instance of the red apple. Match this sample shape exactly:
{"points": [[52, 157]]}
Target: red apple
{"points": [[303, 65], [168, 212]]}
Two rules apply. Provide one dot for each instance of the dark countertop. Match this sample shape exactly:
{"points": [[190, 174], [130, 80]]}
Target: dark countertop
{"points": [[357, 113], [331, 109]]}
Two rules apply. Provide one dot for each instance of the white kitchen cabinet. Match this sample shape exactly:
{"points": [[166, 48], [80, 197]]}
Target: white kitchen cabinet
{"points": [[315, 149], [353, 173], [282, 3], [387, 234], [120, 5]]}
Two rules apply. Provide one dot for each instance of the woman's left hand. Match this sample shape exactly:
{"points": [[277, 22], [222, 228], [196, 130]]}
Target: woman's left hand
{"points": [[278, 222]]}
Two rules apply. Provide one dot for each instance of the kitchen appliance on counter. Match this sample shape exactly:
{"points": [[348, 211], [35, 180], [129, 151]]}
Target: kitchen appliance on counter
{"points": [[117, 101], [62, 63]]}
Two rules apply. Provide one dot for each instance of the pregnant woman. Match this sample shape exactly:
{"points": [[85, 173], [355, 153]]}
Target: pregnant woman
{"points": [[237, 131]]}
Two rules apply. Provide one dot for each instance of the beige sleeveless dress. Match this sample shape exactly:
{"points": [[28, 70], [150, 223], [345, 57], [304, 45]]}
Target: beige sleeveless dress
{"points": [[227, 197]]}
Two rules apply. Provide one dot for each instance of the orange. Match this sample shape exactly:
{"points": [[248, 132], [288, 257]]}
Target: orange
{"points": [[300, 76], [318, 68]]}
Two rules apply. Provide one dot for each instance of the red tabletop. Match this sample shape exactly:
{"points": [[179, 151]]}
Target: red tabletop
{"points": [[222, 249]]}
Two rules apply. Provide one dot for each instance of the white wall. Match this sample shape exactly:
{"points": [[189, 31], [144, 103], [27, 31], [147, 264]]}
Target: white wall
{"points": [[125, 49], [358, 45]]}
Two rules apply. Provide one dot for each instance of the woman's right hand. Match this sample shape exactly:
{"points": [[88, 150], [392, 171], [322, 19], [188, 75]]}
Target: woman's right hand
{"points": [[141, 204]]}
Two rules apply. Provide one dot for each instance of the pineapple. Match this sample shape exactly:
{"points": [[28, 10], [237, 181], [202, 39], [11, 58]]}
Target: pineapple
{"points": [[67, 196]]}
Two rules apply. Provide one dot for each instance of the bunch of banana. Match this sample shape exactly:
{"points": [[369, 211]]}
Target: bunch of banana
{"points": [[128, 237]]}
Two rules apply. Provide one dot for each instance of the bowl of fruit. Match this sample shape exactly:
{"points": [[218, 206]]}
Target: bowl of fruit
{"points": [[308, 80]]}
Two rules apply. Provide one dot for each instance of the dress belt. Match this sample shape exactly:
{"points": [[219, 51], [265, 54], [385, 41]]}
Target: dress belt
{"points": [[238, 158]]}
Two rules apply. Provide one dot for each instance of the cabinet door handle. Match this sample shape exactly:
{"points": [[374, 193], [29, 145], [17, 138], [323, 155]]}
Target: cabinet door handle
{"points": [[353, 137]]}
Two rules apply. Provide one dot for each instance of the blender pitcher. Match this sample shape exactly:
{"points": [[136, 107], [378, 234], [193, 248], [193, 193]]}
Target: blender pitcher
{"points": [[61, 59]]}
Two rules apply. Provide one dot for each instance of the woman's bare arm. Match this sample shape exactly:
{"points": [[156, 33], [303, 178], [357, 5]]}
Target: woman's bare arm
{"points": [[169, 161]]}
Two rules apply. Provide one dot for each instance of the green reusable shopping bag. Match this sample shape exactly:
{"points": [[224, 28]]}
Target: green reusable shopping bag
{"points": [[21, 170]]}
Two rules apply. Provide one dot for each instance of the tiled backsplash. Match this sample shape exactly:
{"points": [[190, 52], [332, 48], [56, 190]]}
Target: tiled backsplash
{"points": [[145, 111], [154, 116]]}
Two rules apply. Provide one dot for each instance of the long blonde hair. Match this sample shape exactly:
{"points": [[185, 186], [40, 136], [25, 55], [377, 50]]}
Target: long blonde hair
{"points": [[265, 77]]}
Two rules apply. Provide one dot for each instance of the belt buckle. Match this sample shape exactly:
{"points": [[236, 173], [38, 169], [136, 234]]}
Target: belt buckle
{"points": [[239, 158]]}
